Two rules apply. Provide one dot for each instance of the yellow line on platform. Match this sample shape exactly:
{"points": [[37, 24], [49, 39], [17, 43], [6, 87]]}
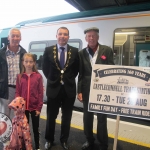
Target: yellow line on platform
{"points": [[110, 135]]}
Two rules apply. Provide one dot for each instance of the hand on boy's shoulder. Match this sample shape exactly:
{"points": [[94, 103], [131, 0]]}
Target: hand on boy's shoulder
{"points": [[37, 113]]}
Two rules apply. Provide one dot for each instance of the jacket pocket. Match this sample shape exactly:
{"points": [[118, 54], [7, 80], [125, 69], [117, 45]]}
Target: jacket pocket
{"points": [[2, 89], [2, 71]]}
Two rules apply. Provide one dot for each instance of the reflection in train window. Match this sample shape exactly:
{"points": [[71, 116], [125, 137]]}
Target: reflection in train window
{"points": [[39, 56], [128, 43]]}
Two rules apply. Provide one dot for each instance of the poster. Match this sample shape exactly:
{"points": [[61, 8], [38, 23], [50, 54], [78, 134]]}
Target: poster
{"points": [[5, 127], [120, 90]]}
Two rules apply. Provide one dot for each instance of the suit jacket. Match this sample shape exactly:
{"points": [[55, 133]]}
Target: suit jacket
{"points": [[4, 71], [52, 71], [85, 68]]}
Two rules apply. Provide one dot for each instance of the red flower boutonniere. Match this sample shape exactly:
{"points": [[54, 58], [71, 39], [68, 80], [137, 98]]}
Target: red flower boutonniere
{"points": [[103, 57]]}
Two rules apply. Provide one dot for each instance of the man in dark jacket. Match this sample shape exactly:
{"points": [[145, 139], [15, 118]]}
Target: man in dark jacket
{"points": [[88, 57], [10, 65], [60, 67]]}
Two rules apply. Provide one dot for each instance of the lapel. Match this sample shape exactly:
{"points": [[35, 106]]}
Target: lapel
{"points": [[69, 52], [86, 55], [101, 52]]}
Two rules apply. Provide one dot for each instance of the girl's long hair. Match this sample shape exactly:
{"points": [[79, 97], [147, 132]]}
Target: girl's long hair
{"points": [[34, 69]]}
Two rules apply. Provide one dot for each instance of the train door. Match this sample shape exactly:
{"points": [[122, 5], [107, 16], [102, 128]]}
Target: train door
{"points": [[130, 45], [4, 41]]}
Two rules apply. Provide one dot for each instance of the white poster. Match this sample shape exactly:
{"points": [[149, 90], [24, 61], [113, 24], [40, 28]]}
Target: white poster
{"points": [[122, 90]]}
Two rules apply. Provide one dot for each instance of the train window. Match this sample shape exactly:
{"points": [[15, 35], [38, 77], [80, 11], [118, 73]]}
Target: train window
{"points": [[37, 48], [74, 44], [129, 44], [144, 58], [4, 41]]}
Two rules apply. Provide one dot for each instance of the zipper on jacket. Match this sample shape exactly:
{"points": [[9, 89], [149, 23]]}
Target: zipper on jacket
{"points": [[28, 94]]}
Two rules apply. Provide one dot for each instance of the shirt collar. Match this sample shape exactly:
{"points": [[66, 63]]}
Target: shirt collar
{"points": [[8, 50], [58, 46], [87, 49], [94, 49]]}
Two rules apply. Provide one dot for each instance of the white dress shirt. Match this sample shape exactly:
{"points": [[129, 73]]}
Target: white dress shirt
{"points": [[93, 59], [59, 52]]}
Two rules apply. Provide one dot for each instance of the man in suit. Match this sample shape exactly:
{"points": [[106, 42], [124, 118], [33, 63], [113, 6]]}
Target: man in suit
{"points": [[60, 67], [89, 56]]}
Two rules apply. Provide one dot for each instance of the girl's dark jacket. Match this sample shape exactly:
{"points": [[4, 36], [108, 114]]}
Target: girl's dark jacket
{"points": [[4, 71]]}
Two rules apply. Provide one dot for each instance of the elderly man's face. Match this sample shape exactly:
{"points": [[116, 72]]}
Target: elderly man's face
{"points": [[14, 38], [92, 38], [62, 36]]}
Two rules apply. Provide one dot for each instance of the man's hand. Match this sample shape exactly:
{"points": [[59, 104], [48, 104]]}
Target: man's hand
{"points": [[80, 97], [37, 113]]}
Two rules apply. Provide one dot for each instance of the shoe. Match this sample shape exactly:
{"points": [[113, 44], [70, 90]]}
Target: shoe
{"points": [[87, 146], [37, 147], [48, 145], [102, 148], [64, 145]]}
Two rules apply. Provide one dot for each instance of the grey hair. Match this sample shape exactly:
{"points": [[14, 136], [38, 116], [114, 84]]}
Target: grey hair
{"points": [[12, 30], [96, 32]]}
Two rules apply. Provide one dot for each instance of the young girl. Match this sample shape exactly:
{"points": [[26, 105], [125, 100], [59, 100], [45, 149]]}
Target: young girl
{"points": [[30, 86]]}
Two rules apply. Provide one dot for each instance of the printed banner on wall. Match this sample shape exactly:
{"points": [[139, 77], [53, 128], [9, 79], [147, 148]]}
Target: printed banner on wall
{"points": [[122, 90]]}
